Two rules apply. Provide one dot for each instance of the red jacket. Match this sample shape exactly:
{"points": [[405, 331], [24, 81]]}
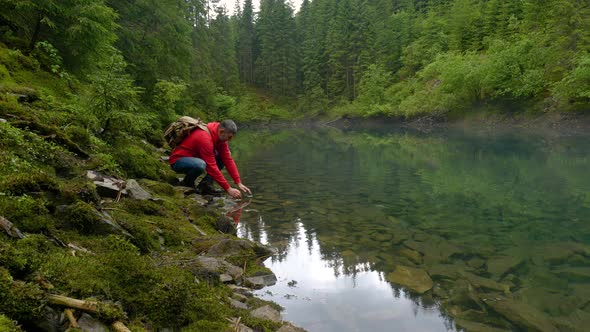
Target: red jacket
{"points": [[199, 144]]}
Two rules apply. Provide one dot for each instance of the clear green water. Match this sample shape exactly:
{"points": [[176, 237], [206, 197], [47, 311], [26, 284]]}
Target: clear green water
{"points": [[345, 209]]}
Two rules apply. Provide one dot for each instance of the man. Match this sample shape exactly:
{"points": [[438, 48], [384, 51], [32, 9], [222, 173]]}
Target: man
{"points": [[208, 151]]}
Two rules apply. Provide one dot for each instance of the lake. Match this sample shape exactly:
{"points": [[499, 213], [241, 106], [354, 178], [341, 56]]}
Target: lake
{"points": [[398, 230]]}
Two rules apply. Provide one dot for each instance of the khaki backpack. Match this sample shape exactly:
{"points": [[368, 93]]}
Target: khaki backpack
{"points": [[178, 130]]}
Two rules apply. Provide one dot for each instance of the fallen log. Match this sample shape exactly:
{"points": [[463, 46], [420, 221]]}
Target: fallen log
{"points": [[105, 311]]}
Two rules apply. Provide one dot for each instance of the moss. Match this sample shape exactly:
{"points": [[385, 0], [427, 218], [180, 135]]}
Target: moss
{"points": [[20, 300], [27, 213], [79, 189], [8, 325], [147, 207], [158, 187], [24, 256], [82, 217], [20, 184], [138, 163]]}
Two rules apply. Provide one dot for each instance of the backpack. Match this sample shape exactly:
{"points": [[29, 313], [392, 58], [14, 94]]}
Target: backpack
{"points": [[178, 130]]}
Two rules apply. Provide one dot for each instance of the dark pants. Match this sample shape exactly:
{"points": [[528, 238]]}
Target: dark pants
{"points": [[193, 167]]}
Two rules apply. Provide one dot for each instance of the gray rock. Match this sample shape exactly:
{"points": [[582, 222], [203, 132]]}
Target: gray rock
{"points": [[52, 320], [237, 304], [241, 290], [219, 266], [229, 247], [239, 297], [110, 225], [267, 312], [136, 191], [3, 120], [106, 186], [290, 328], [415, 279], [90, 324], [259, 282], [225, 278]]}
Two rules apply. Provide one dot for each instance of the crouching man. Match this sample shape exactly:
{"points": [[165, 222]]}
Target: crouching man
{"points": [[208, 151]]}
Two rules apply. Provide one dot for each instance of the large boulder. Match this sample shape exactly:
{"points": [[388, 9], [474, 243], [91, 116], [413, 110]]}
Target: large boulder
{"points": [[415, 279], [258, 282], [219, 266]]}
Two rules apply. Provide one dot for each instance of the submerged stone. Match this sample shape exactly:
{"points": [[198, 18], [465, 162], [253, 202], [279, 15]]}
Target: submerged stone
{"points": [[415, 279], [500, 266], [412, 255], [476, 327], [267, 312], [576, 274], [485, 283], [520, 314]]}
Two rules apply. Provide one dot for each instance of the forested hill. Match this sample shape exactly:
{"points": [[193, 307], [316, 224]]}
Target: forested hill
{"points": [[376, 57]]}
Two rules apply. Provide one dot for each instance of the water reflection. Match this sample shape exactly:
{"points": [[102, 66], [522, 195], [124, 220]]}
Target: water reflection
{"points": [[486, 216], [320, 296]]}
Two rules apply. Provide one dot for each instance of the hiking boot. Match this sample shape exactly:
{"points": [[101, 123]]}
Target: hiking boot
{"points": [[207, 188]]}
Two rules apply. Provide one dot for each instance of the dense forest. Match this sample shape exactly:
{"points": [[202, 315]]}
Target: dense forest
{"points": [[400, 57]]}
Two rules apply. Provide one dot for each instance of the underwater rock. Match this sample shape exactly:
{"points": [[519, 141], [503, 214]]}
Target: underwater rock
{"points": [[476, 327], [576, 274], [499, 266], [267, 312], [412, 255], [415, 279], [136, 191], [520, 314], [577, 321], [481, 282]]}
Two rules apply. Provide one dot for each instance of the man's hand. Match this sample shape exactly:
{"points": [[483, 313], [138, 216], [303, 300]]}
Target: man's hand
{"points": [[244, 188], [233, 192]]}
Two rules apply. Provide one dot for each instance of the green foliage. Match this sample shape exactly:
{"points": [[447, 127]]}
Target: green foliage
{"points": [[114, 97], [20, 300], [82, 217], [27, 213], [166, 99], [575, 85], [136, 162], [8, 325]]}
